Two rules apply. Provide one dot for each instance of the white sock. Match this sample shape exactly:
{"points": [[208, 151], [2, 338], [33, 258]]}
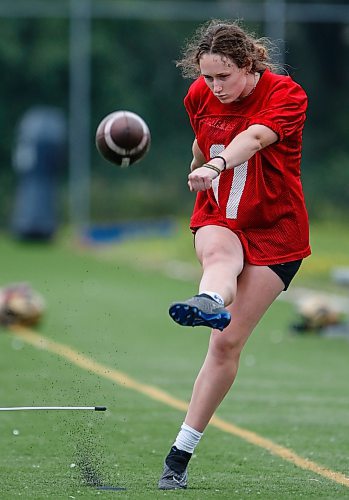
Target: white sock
{"points": [[215, 296], [187, 438]]}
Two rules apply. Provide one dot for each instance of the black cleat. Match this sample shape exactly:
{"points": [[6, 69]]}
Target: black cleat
{"points": [[171, 480]]}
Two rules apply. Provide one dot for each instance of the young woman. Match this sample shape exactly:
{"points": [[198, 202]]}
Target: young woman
{"points": [[250, 222]]}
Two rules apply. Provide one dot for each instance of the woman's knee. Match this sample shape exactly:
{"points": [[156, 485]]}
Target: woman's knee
{"points": [[226, 347]]}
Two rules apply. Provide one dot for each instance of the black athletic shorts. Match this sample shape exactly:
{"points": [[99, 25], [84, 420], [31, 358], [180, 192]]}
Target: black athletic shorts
{"points": [[286, 271]]}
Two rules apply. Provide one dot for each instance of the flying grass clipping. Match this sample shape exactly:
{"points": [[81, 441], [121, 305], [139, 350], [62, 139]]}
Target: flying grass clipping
{"points": [[123, 138]]}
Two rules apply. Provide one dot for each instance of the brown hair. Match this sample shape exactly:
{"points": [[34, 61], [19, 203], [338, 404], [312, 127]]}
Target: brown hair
{"points": [[227, 39]]}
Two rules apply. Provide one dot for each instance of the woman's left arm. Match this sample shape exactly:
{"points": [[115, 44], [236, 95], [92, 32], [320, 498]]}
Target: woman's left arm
{"points": [[241, 149], [246, 144]]}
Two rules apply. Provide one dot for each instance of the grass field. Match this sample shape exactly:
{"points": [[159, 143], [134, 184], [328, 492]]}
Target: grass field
{"points": [[106, 339]]}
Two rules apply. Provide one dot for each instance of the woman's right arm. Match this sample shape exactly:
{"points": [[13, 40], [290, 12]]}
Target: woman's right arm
{"points": [[198, 156]]}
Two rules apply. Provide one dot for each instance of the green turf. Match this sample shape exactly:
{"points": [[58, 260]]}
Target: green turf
{"points": [[111, 305]]}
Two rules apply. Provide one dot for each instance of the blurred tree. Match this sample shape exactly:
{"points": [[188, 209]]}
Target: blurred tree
{"points": [[34, 72], [316, 57], [133, 68]]}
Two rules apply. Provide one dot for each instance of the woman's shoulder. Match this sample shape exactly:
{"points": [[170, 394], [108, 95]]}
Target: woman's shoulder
{"points": [[198, 86], [280, 81], [197, 93]]}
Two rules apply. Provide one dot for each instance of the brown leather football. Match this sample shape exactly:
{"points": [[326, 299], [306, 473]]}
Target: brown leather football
{"points": [[123, 138]]}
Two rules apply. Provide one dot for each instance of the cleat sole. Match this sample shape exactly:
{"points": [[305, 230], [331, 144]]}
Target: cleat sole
{"points": [[186, 315]]}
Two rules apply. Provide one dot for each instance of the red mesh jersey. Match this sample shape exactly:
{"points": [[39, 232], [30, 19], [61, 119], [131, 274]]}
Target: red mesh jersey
{"points": [[261, 200]]}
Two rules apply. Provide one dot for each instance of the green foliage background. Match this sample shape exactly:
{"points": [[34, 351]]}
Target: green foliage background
{"points": [[133, 68]]}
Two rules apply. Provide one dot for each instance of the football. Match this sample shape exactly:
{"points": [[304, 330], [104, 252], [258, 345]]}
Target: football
{"points": [[123, 138], [20, 305], [316, 312]]}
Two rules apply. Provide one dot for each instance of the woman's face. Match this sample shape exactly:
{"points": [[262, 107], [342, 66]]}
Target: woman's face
{"points": [[225, 79]]}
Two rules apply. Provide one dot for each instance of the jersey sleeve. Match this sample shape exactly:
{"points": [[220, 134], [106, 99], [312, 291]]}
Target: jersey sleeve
{"points": [[284, 111], [192, 101]]}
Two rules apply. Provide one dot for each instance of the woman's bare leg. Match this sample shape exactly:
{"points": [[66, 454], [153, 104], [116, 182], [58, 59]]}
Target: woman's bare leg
{"points": [[258, 287], [221, 255], [249, 290]]}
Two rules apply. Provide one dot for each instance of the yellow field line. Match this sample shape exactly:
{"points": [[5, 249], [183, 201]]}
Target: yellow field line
{"points": [[124, 380]]}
